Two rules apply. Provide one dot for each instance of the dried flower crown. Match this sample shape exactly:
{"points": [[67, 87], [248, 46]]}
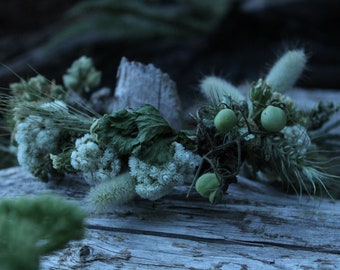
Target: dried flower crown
{"points": [[135, 152]]}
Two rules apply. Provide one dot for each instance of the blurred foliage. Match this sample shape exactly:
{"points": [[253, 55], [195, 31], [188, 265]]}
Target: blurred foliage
{"points": [[130, 20], [32, 227]]}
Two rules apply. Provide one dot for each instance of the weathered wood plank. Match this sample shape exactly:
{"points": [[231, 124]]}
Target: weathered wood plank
{"points": [[140, 84], [256, 228]]}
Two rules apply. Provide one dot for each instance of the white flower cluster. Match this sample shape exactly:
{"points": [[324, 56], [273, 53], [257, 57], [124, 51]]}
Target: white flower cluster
{"points": [[297, 136], [37, 137], [154, 182], [96, 164]]}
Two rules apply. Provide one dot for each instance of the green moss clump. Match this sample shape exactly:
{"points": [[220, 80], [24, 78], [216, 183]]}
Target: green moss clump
{"points": [[31, 227]]}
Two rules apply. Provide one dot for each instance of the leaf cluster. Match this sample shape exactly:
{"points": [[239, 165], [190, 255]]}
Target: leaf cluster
{"points": [[143, 133]]}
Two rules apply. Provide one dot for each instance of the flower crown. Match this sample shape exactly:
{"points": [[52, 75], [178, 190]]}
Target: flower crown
{"points": [[137, 151]]}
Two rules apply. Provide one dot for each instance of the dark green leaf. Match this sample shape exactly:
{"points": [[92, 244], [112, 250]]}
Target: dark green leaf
{"points": [[143, 133]]}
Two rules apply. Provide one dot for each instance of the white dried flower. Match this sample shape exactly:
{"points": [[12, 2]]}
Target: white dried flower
{"points": [[298, 137], [37, 137], [154, 182], [96, 164]]}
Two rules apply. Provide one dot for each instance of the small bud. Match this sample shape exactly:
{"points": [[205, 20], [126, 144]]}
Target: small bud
{"points": [[82, 75], [260, 93]]}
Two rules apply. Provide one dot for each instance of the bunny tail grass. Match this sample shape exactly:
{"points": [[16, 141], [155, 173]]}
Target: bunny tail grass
{"points": [[109, 194], [286, 71]]}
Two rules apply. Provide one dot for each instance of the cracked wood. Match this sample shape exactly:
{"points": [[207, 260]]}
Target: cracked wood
{"points": [[256, 228]]}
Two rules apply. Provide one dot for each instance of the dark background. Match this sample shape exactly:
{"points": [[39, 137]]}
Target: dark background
{"points": [[241, 46], [236, 39]]}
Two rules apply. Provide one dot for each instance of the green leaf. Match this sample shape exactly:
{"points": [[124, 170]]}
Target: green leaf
{"points": [[143, 133], [118, 131]]}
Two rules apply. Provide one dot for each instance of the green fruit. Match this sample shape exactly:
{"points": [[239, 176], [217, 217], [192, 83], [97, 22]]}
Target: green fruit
{"points": [[273, 119], [215, 196], [206, 184], [225, 120]]}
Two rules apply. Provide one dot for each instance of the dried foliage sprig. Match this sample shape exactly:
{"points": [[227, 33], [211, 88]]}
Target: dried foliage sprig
{"points": [[272, 134]]}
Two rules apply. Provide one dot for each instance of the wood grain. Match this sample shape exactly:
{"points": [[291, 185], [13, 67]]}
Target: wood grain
{"points": [[256, 227], [140, 84]]}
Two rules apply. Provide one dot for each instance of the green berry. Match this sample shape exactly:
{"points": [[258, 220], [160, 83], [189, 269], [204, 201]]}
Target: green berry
{"points": [[273, 119], [206, 184], [225, 120], [215, 196]]}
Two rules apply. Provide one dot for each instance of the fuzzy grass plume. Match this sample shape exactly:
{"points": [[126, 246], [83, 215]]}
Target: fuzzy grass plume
{"points": [[286, 71], [117, 191]]}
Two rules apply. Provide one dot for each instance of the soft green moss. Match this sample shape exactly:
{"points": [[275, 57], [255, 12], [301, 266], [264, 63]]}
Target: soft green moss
{"points": [[31, 227]]}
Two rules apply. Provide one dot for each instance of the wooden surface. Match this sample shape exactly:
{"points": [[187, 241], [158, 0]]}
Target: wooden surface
{"points": [[256, 228], [139, 84]]}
